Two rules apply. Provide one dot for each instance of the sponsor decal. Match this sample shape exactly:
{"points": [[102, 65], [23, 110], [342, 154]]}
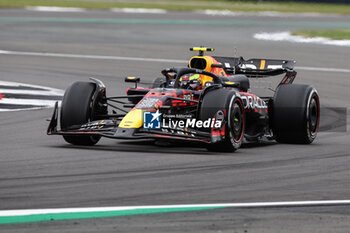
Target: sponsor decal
{"points": [[151, 120], [254, 67], [154, 120], [184, 132], [252, 102], [93, 125], [188, 96], [147, 103], [191, 123]]}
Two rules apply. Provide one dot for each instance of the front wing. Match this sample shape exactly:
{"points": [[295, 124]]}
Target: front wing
{"points": [[109, 128]]}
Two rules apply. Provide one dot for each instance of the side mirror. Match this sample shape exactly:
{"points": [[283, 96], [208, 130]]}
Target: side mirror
{"points": [[132, 80]]}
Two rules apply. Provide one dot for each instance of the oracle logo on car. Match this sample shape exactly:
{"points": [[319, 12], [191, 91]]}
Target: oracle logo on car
{"points": [[252, 101]]}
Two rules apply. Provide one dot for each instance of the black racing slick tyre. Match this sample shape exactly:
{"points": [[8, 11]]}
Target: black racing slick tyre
{"points": [[296, 114], [76, 109], [158, 82], [227, 102]]}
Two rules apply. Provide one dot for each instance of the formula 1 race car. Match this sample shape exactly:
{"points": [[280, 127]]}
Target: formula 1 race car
{"points": [[208, 102]]}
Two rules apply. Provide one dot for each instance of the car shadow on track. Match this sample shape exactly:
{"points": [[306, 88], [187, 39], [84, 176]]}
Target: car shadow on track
{"points": [[161, 147], [258, 144]]}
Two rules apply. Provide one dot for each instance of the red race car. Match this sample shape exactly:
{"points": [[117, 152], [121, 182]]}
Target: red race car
{"points": [[208, 102]]}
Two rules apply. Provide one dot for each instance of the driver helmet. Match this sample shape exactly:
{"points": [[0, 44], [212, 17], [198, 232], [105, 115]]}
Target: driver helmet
{"points": [[191, 81]]}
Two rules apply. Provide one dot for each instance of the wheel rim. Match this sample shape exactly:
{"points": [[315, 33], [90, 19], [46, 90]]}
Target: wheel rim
{"points": [[313, 115], [236, 125]]}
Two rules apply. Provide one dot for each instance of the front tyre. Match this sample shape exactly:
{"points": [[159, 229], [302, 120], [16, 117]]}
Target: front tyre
{"points": [[226, 102], [76, 110]]}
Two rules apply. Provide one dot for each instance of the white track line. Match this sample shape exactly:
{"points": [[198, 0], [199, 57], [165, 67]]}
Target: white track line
{"points": [[20, 109], [262, 13], [4, 213], [161, 60], [323, 69], [55, 9], [31, 92], [286, 36], [34, 102], [139, 10], [76, 9], [90, 56], [44, 91]]}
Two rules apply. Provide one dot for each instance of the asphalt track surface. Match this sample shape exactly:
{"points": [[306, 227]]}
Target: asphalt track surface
{"points": [[38, 171]]}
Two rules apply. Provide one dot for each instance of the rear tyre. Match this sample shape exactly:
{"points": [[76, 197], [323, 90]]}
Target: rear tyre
{"points": [[77, 109], [296, 114], [225, 100]]}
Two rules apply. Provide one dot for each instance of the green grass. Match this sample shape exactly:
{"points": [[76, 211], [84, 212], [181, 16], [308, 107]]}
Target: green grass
{"points": [[336, 34], [181, 5]]}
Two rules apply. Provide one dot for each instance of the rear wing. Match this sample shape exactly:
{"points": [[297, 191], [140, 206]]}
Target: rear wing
{"points": [[255, 67]]}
